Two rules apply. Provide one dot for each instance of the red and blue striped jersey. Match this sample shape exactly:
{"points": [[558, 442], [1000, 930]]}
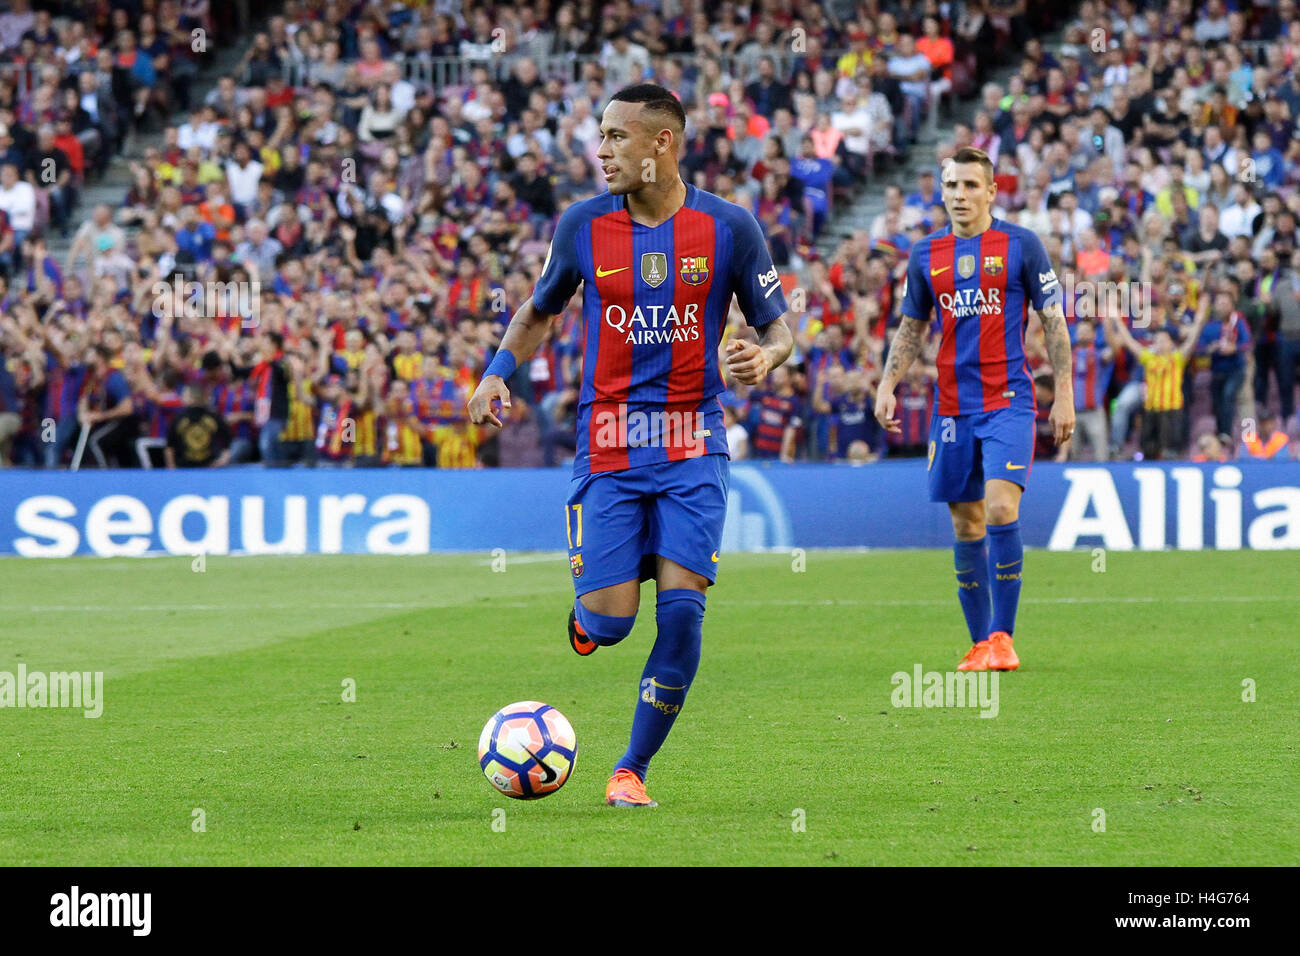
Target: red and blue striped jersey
{"points": [[913, 414], [980, 289], [1091, 377], [655, 304]]}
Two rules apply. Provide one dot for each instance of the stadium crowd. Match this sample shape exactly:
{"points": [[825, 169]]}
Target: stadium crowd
{"points": [[316, 259]]}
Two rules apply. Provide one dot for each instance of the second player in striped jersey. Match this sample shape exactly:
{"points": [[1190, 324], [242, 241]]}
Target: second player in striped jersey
{"points": [[979, 276]]}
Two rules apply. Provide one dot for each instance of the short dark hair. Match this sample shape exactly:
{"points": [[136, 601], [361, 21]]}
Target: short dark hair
{"points": [[653, 99], [969, 154]]}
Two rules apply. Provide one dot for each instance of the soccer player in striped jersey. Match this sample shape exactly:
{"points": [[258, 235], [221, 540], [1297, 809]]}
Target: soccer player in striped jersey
{"points": [[660, 262], [980, 276]]}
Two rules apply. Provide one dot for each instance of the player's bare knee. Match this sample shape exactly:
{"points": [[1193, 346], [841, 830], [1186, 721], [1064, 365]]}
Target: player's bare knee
{"points": [[1003, 512], [967, 520], [619, 600], [672, 576]]}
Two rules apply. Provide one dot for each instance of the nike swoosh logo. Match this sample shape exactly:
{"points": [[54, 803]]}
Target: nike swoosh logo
{"points": [[549, 774], [935, 272], [1011, 565], [965, 570], [656, 683], [715, 557], [1011, 467], [601, 273]]}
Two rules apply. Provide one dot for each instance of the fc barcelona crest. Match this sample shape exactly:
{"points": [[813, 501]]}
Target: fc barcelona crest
{"points": [[993, 265], [966, 266], [654, 268], [575, 564], [695, 269]]}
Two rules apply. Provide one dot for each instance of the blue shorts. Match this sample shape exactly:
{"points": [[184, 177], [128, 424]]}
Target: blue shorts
{"points": [[968, 450], [617, 521]]}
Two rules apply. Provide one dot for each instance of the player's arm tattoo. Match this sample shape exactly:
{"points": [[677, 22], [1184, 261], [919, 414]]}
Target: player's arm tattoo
{"points": [[776, 340], [908, 342], [526, 332], [1057, 335]]}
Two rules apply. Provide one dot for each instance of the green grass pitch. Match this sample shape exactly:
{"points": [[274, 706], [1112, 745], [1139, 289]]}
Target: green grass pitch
{"points": [[223, 692]]}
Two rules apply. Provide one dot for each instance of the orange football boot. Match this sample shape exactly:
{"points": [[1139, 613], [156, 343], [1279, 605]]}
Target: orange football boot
{"points": [[626, 789], [578, 637], [1002, 656], [976, 659]]}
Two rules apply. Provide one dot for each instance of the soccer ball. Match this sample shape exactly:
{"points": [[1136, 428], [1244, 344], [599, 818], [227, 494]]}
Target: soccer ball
{"points": [[527, 750]]}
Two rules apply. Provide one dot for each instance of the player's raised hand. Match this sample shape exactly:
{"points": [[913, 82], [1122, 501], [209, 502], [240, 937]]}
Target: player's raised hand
{"points": [[747, 362], [885, 404], [491, 389]]}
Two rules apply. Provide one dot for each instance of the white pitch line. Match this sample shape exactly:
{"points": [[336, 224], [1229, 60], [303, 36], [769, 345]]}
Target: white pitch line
{"points": [[934, 602], [830, 602], [359, 605]]}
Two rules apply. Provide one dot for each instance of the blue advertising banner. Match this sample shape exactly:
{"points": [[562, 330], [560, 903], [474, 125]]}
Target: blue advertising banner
{"points": [[1123, 506]]}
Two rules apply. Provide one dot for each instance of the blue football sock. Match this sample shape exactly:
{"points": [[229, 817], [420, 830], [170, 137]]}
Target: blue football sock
{"points": [[971, 561], [667, 676], [603, 629], [1006, 555]]}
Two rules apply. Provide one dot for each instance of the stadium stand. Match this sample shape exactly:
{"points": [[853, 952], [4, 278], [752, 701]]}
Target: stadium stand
{"points": [[313, 261]]}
